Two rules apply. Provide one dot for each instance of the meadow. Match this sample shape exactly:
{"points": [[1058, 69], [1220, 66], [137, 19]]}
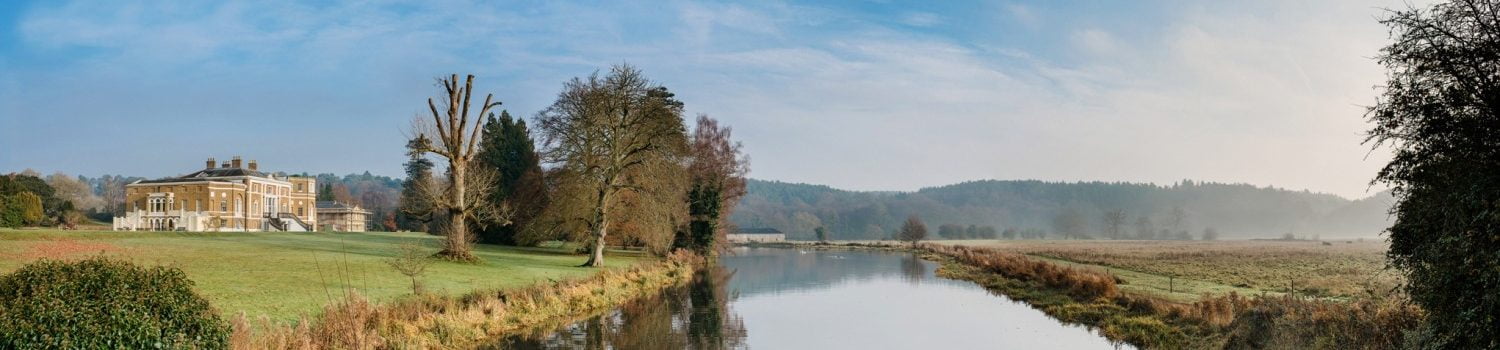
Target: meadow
{"points": [[286, 275], [1185, 271]]}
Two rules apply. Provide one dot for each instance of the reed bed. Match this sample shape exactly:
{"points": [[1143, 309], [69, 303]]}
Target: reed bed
{"points": [[1231, 321], [429, 321]]}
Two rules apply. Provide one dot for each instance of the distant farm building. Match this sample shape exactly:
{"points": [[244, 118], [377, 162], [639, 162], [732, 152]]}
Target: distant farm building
{"points": [[233, 196], [757, 235], [335, 216]]}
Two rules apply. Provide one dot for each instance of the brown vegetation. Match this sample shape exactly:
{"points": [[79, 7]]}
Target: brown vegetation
{"points": [[1230, 321], [1339, 269]]}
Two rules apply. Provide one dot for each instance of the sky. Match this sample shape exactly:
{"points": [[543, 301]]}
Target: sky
{"points": [[862, 95]]}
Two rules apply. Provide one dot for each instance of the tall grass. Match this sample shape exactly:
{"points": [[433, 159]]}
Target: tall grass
{"points": [[1080, 283], [429, 321], [1230, 321]]}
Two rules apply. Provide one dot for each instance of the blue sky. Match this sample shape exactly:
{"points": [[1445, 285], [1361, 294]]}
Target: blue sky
{"points": [[871, 95]]}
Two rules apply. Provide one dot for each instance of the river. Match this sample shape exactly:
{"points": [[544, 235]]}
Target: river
{"points": [[775, 298]]}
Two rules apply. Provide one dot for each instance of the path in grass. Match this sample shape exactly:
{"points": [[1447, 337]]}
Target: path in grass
{"points": [[283, 275]]}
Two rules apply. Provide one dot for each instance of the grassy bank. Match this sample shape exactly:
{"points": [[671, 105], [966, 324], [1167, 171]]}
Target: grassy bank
{"points": [[1093, 297], [1185, 271], [287, 275], [470, 320]]}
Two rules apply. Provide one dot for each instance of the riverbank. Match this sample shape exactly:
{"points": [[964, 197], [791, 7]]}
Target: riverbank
{"points": [[470, 320], [285, 276], [1094, 297]]}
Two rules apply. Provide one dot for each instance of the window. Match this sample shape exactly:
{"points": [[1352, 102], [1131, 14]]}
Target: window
{"points": [[236, 205], [301, 211], [197, 205], [223, 205]]}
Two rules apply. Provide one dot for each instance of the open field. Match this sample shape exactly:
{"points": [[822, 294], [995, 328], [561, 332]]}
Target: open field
{"points": [[1340, 269], [287, 274]]}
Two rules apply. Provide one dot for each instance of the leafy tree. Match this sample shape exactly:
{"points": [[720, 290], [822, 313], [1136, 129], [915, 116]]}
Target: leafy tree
{"points": [[1009, 233], [506, 147], [821, 233], [913, 231], [1069, 223], [448, 135], [950, 231], [10, 211], [619, 141], [1440, 113], [1144, 229], [30, 208], [1114, 222], [1210, 234]]}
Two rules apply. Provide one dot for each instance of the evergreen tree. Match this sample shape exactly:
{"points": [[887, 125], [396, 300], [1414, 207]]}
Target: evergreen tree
{"points": [[507, 147], [325, 193], [414, 213]]}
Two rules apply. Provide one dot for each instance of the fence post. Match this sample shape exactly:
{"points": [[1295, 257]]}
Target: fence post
{"points": [[1171, 284]]}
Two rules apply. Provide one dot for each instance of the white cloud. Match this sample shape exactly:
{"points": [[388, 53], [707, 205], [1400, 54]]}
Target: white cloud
{"points": [[1266, 93]]}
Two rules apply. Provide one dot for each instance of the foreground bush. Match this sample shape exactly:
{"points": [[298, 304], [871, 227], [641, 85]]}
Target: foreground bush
{"points": [[104, 304]]}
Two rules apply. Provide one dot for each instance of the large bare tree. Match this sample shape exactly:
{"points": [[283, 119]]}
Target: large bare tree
{"points": [[450, 136], [616, 138]]}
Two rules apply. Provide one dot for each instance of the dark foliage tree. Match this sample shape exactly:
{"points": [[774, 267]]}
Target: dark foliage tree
{"points": [[1440, 113], [912, 231], [506, 146], [716, 170], [821, 233], [414, 212]]}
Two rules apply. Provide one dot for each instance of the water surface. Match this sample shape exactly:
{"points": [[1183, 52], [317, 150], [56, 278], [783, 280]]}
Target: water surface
{"points": [[773, 298]]}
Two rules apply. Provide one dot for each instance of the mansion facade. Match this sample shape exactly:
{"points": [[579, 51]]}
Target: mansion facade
{"points": [[222, 197]]}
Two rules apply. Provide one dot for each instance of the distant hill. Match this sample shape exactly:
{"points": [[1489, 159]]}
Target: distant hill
{"points": [[1234, 210]]}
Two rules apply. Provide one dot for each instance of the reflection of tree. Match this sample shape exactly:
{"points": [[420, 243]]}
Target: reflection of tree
{"points": [[912, 270], [696, 316]]}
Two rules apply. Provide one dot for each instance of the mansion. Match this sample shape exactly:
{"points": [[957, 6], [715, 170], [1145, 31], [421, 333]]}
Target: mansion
{"points": [[222, 197]]}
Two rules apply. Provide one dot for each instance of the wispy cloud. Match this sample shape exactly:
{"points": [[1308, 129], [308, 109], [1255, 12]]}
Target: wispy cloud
{"points": [[1266, 93]]}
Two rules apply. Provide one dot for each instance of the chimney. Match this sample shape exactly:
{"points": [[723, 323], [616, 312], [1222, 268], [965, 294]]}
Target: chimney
{"points": [[252, 165], [210, 162], [225, 165], [235, 162]]}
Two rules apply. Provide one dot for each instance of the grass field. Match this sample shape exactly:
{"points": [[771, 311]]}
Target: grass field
{"points": [[285, 275], [1337, 270]]}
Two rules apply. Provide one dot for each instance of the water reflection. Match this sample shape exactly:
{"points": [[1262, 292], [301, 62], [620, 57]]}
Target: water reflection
{"points": [[696, 316], [770, 298]]}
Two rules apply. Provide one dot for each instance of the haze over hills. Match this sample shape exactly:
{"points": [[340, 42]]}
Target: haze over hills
{"points": [[1233, 210]]}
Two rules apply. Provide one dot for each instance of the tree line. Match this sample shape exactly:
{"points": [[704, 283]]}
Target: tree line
{"points": [[1082, 210], [611, 163]]}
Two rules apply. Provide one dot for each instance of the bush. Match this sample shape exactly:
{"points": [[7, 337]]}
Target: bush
{"points": [[104, 304]]}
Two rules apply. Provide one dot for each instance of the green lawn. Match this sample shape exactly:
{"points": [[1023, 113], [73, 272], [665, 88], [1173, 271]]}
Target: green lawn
{"points": [[283, 274]]}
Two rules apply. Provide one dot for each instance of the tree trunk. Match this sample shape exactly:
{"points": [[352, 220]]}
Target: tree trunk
{"points": [[458, 231], [601, 229]]}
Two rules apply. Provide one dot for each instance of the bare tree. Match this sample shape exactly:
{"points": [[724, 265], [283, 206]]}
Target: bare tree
{"points": [[615, 137], [455, 141], [913, 231], [411, 260], [1114, 222]]}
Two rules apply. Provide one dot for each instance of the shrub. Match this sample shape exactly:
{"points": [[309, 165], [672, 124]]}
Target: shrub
{"points": [[104, 304]]}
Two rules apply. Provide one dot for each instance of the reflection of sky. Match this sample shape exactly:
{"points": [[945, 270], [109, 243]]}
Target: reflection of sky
{"points": [[863, 300]]}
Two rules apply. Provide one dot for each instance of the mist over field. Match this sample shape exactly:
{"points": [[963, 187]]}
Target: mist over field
{"points": [[1233, 210]]}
